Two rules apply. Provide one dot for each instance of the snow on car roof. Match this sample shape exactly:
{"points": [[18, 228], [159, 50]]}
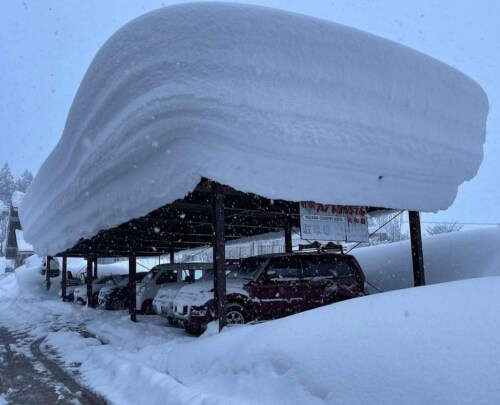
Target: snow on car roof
{"points": [[266, 101]]}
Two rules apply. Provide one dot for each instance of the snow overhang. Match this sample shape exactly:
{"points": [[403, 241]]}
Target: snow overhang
{"points": [[22, 245], [265, 101]]}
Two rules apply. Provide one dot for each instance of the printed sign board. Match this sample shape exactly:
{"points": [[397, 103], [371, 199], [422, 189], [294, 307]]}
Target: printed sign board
{"points": [[333, 222]]}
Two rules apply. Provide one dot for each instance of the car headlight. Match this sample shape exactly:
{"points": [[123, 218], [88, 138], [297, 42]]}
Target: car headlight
{"points": [[141, 289]]}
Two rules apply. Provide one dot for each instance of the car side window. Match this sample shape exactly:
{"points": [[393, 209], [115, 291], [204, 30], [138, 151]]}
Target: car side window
{"points": [[283, 267], [325, 266], [167, 277]]}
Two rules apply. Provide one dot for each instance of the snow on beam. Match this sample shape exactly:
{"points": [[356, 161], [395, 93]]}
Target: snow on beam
{"points": [[269, 102]]}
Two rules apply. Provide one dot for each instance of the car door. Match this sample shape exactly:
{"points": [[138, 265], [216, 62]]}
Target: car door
{"points": [[277, 292]]}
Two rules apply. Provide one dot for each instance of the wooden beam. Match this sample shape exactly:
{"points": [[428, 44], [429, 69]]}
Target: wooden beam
{"points": [[288, 238], [95, 266], [219, 254], [132, 271], [64, 277], [47, 272], [416, 248], [132, 279], [89, 282]]}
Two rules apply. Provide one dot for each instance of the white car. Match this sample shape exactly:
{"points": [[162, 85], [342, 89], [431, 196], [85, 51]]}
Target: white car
{"points": [[175, 275], [80, 293], [163, 302]]}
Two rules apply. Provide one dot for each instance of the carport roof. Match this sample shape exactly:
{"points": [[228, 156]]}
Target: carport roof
{"points": [[187, 223]]}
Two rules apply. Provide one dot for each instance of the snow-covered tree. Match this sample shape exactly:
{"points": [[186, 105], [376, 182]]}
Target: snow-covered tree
{"points": [[443, 228], [6, 183], [23, 182]]}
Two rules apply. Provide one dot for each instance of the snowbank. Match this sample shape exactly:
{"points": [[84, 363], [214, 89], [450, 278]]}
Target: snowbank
{"points": [[435, 344], [4, 263], [447, 257], [30, 280], [266, 101]]}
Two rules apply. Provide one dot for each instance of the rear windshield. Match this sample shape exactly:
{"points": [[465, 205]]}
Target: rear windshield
{"points": [[325, 266]]}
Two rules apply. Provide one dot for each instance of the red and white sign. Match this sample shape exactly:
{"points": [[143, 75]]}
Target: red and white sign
{"points": [[333, 222]]}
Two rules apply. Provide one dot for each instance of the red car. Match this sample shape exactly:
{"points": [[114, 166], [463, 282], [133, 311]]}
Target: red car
{"points": [[273, 286]]}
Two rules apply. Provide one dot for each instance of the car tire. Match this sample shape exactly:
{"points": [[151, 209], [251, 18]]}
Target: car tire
{"points": [[116, 305], [147, 308], [236, 314]]}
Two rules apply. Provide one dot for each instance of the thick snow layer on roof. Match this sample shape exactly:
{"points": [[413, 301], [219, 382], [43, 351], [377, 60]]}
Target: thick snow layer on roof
{"points": [[266, 101], [22, 245]]}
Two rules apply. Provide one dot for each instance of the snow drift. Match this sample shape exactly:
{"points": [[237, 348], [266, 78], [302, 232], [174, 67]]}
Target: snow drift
{"points": [[266, 101], [435, 344], [447, 257]]}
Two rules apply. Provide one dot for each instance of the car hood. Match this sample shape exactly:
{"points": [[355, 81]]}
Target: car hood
{"points": [[108, 289], [171, 290], [82, 290], [232, 285]]}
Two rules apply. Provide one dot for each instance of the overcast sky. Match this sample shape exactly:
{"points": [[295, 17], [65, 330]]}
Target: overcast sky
{"points": [[46, 47]]}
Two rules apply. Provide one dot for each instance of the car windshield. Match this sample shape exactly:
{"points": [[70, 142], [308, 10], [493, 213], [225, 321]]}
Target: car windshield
{"points": [[151, 275], [103, 280], [123, 282], [249, 268]]}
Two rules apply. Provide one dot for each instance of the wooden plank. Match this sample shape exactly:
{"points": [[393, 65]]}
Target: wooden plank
{"points": [[64, 277], [219, 253], [416, 249]]}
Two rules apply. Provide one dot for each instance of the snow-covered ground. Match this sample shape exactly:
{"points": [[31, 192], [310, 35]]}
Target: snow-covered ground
{"points": [[434, 344]]}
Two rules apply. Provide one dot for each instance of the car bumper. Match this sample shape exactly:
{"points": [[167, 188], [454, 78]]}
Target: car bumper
{"points": [[80, 300], [103, 303], [163, 309], [197, 317]]}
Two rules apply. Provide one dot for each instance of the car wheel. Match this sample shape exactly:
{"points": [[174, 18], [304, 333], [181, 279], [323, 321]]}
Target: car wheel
{"points": [[236, 314], [116, 305], [147, 308]]}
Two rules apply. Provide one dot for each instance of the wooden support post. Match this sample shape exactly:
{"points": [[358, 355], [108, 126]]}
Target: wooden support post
{"points": [[219, 253], [288, 238], [89, 281], [64, 277], [172, 256], [95, 267], [416, 248], [132, 270], [47, 272]]}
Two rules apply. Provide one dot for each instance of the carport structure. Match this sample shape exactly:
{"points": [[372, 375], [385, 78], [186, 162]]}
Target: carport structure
{"points": [[209, 215], [274, 108]]}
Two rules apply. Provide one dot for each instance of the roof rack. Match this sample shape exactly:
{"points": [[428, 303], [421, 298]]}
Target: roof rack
{"points": [[330, 247]]}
